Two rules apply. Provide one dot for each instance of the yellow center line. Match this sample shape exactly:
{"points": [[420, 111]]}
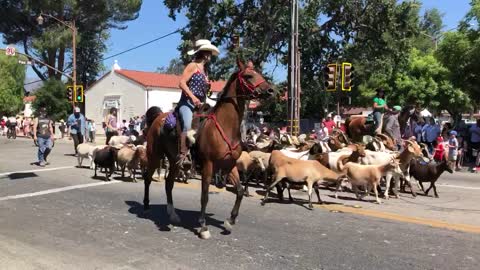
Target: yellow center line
{"points": [[370, 213]]}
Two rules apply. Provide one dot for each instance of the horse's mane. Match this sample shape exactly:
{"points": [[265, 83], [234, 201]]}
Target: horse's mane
{"points": [[227, 85]]}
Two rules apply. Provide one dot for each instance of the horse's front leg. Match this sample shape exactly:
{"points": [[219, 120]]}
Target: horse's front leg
{"points": [[169, 182], [234, 178], [207, 173]]}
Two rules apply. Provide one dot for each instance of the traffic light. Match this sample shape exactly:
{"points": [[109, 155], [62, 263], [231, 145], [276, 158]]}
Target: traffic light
{"points": [[330, 75], [70, 93], [79, 93], [347, 76]]}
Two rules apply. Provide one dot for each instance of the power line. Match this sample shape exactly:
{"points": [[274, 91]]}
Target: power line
{"points": [[144, 44], [156, 39], [32, 82]]}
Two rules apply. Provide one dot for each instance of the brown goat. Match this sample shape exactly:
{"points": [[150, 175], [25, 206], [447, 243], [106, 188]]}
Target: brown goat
{"points": [[299, 171]]}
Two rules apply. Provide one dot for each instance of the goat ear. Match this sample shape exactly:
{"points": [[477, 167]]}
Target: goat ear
{"points": [[240, 64], [410, 149]]}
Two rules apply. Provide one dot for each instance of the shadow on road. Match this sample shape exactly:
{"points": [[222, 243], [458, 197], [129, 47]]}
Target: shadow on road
{"points": [[17, 176], [158, 215]]}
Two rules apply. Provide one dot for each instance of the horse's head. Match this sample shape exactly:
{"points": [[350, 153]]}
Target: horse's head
{"points": [[251, 83]]}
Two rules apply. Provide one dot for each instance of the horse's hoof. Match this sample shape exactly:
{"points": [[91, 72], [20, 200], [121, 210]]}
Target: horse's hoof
{"points": [[228, 226], [205, 235], [436, 196]]}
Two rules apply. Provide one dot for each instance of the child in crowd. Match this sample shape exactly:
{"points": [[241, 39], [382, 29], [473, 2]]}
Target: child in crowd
{"points": [[439, 152], [453, 148]]}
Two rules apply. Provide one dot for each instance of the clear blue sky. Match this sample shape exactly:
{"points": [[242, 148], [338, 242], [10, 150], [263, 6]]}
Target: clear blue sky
{"points": [[154, 22]]}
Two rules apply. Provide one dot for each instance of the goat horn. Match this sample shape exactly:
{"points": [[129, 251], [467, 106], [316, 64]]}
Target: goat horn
{"points": [[409, 142], [383, 136]]}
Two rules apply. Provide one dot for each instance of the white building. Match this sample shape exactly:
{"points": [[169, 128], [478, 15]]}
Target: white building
{"points": [[133, 92]]}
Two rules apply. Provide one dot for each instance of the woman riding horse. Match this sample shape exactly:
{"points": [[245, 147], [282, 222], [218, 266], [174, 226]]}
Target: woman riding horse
{"points": [[379, 107], [195, 85], [217, 143]]}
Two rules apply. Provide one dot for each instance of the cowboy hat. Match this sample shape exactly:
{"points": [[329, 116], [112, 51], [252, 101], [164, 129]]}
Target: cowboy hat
{"points": [[204, 45]]}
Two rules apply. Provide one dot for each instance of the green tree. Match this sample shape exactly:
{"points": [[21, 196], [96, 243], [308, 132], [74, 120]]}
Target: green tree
{"points": [[51, 42], [372, 33], [52, 96], [430, 30], [426, 82], [12, 76], [175, 67]]}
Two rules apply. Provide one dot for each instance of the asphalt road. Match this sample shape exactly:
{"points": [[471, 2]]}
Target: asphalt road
{"points": [[61, 218]]}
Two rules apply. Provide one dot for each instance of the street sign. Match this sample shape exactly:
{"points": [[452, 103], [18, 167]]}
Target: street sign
{"points": [[23, 62], [10, 51]]}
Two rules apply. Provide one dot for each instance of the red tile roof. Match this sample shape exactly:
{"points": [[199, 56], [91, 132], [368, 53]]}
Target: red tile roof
{"points": [[154, 79], [29, 99]]}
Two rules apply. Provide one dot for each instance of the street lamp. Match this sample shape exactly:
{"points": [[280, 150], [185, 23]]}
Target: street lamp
{"points": [[73, 28], [437, 38]]}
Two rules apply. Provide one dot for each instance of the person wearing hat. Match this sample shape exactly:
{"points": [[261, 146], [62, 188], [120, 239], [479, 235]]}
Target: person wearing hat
{"points": [[195, 85], [379, 108], [77, 125], [453, 148], [43, 135], [392, 126]]}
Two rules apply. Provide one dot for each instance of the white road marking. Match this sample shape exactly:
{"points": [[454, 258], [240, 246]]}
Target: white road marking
{"points": [[39, 170], [454, 186], [56, 190]]}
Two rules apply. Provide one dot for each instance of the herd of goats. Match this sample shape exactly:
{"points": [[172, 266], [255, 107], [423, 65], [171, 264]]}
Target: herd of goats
{"points": [[297, 162]]}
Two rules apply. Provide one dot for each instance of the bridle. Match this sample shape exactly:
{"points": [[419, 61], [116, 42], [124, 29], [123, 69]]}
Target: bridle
{"points": [[249, 91], [247, 87]]}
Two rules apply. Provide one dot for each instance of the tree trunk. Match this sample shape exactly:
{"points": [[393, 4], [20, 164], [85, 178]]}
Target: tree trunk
{"points": [[61, 62], [51, 60]]}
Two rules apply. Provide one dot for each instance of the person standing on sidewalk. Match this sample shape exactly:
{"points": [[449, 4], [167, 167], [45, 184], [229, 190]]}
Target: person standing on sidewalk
{"points": [[111, 126], [77, 125], [43, 136], [92, 130]]}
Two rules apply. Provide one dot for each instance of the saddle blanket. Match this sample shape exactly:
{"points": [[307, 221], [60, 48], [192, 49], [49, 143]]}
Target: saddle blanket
{"points": [[170, 121]]}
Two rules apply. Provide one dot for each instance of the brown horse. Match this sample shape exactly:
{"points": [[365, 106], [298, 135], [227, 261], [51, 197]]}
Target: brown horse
{"points": [[357, 127], [217, 143]]}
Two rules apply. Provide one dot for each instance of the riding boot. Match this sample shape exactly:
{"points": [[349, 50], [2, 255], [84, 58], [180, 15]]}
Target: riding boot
{"points": [[182, 154]]}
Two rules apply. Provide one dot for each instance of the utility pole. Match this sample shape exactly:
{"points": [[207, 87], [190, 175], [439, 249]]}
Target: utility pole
{"points": [[73, 28], [294, 74]]}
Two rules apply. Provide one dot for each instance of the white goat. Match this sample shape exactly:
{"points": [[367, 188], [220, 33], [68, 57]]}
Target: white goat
{"points": [[119, 141], [86, 150], [368, 175]]}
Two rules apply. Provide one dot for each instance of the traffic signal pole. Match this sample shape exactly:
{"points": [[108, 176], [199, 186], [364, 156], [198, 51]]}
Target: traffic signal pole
{"points": [[294, 74]]}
